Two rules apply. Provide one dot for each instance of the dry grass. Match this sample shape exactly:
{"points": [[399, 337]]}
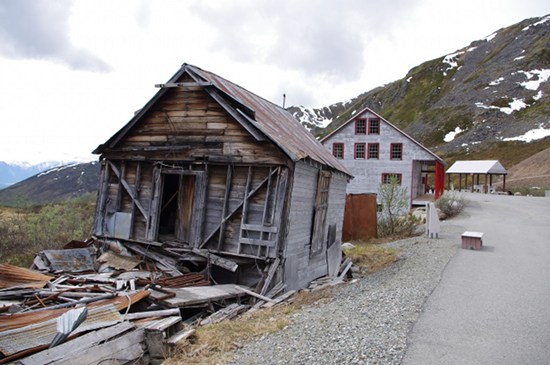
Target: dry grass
{"points": [[215, 344], [371, 256]]}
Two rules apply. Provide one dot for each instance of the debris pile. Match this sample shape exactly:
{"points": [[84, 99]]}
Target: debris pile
{"points": [[124, 302]]}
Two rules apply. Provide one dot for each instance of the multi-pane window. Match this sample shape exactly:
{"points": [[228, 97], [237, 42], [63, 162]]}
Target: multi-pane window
{"points": [[360, 126], [359, 151], [387, 178], [338, 150], [396, 151], [374, 126], [374, 151]]}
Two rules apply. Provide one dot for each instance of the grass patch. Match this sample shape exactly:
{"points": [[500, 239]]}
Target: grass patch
{"points": [[215, 343], [371, 256]]}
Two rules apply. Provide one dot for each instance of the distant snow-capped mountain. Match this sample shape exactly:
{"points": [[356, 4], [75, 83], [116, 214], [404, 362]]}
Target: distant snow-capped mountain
{"points": [[15, 171]]}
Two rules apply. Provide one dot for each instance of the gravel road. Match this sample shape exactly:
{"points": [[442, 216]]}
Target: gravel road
{"points": [[367, 320]]}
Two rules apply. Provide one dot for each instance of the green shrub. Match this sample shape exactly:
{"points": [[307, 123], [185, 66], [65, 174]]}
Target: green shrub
{"points": [[393, 217], [33, 229], [451, 203]]}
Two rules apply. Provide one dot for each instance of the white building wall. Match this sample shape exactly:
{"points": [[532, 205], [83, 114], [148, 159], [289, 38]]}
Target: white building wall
{"points": [[368, 172]]}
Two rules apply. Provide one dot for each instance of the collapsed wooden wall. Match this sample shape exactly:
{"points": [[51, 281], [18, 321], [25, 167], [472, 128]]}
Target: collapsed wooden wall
{"points": [[235, 209]]}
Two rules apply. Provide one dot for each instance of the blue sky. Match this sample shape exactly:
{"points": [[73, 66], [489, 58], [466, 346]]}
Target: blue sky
{"points": [[73, 72]]}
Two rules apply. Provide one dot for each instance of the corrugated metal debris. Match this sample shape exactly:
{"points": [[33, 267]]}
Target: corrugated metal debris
{"points": [[139, 301]]}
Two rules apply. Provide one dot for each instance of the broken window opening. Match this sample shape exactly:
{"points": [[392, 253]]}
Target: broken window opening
{"points": [[318, 236]]}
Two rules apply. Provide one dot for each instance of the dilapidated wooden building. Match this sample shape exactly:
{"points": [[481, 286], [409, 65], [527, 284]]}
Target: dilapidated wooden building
{"points": [[219, 176]]}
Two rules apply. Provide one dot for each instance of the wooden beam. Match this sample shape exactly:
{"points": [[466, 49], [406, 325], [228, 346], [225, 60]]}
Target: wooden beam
{"points": [[246, 197], [229, 177], [129, 189], [217, 260], [183, 84], [251, 293]]}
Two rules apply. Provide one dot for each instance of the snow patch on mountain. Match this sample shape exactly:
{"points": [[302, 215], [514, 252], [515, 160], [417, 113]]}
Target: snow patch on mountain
{"points": [[531, 135]]}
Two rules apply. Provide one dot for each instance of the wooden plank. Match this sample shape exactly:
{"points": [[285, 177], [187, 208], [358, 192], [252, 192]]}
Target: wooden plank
{"points": [[180, 336], [270, 274], [229, 176], [257, 242], [163, 324], [217, 260], [122, 350], [151, 314], [200, 294], [77, 345], [234, 210], [128, 189], [262, 297]]}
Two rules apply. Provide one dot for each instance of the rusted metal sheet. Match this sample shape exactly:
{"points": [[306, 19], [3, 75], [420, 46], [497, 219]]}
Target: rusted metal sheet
{"points": [[118, 261], [42, 333], [359, 217], [279, 125], [18, 320], [17, 277], [73, 260]]}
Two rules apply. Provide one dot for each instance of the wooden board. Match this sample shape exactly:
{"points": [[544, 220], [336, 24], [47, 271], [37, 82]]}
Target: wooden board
{"points": [[200, 294]]}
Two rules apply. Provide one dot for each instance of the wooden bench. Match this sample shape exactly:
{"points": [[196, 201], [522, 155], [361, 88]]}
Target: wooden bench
{"points": [[472, 240]]}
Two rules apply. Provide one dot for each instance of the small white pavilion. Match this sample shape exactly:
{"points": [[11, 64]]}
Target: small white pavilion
{"points": [[474, 169]]}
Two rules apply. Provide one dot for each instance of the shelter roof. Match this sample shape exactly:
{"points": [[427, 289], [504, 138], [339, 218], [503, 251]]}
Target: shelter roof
{"points": [[477, 167], [260, 117]]}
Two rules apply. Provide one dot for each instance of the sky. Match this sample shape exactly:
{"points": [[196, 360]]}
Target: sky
{"points": [[72, 73]]}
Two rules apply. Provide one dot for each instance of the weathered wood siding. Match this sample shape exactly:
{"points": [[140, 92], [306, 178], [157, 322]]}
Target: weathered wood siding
{"points": [[186, 124], [368, 172], [301, 265]]}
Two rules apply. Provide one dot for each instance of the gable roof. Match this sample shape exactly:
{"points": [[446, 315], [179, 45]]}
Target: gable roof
{"points": [[436, 157], [263, 119], [477, 167]]}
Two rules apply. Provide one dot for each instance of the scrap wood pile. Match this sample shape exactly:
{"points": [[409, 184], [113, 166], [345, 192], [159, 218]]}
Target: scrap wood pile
{"points": [[108, 301]]}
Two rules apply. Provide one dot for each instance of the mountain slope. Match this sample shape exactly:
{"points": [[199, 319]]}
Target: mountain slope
{"points": [[53, 185], [533, 171], [479, 97], [10, 173]]}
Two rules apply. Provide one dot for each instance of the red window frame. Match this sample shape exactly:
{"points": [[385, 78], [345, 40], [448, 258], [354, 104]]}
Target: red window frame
{"points": [[370, 126], [341, 147], [375, 149], [387, 176], [396, 151], [356, 152], [361, 126]]}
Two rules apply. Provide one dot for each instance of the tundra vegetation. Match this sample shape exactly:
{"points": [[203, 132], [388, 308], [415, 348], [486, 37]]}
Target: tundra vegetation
{"points": [[26, 230]]}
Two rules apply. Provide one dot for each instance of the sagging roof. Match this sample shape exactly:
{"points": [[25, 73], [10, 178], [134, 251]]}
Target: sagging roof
{"points": [[477, 167], [260, 117], [436, 157]]}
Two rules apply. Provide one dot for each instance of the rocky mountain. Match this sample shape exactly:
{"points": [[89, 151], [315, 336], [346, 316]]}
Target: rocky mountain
{"points": [[55, 184], [489, 98]]}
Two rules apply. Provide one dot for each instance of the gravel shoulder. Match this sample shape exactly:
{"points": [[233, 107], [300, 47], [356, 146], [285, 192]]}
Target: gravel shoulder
{"points": [[366, 321]]}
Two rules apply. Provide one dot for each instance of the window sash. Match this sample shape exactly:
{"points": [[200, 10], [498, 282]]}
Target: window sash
{"points": [[374, 151], [359, 151], [338, 150], [396, 151], [360, 126], [374, 126], [386, 178]]}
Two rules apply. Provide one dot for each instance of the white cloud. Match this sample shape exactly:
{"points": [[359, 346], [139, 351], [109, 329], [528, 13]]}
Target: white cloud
{"points": [[55, 102]]}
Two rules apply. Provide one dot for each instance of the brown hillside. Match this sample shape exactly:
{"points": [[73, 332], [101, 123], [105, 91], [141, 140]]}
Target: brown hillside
{"points": [[533, 171]]}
